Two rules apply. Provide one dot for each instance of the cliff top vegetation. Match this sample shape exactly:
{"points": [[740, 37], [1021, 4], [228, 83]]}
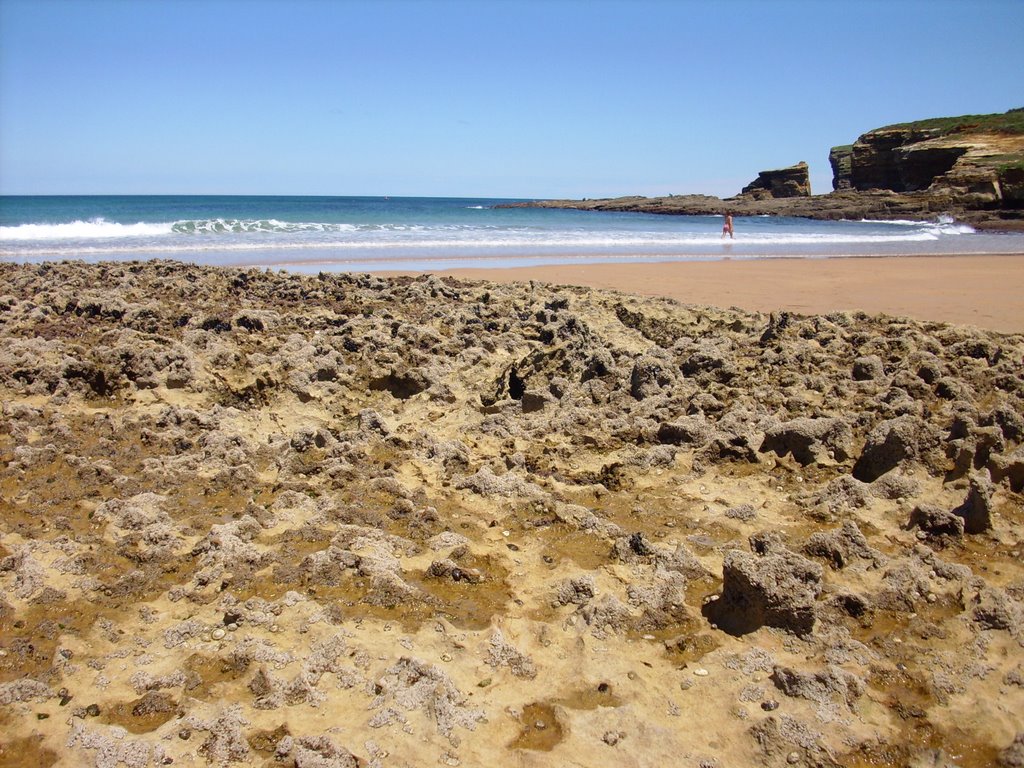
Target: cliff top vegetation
{"points": [[1010, 122]]}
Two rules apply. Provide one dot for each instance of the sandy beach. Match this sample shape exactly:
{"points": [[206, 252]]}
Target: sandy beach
{"points": [[348, 521], [620, 384], [984, 291]]}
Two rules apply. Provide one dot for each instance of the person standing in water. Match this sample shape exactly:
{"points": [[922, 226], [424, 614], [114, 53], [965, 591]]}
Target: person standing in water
{"points": [[727, 226]]}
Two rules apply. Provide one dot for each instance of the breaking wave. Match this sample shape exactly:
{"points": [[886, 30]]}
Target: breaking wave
{"points": [[241, 226], [457, 234], [340, 230], [83, 230]]}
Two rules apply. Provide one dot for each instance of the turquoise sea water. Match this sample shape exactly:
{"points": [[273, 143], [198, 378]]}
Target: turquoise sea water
{"points": [[375, 233]]}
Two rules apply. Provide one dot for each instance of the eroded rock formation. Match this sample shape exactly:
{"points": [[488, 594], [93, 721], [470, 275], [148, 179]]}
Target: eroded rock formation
{"points": [[249, 518], [971, 168], [968, 161], [794, 181]]}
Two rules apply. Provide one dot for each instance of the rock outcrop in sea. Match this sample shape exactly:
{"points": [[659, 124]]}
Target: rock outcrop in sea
{"points": [[785, 182], [969, 167]]}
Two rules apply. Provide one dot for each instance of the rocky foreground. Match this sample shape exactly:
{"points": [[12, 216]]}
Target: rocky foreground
{"points": [[251, 518]]}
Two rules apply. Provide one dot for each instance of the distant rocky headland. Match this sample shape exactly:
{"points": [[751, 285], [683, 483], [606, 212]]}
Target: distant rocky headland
{"points": [[969, 167]]}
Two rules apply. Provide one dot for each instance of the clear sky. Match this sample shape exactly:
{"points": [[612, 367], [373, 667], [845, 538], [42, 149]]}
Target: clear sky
{"points": [[518, 98]]}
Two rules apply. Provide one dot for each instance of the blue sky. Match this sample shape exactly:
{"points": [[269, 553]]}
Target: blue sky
{"points": [[517, 98]]}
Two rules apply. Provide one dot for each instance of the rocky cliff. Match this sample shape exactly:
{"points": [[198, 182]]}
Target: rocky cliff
{"points": [[793, 181], [973, 161], [970, 167], [841, 160]]}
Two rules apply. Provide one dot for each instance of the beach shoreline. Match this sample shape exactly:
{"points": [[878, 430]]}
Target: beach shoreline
{"points": [[984, 291]]}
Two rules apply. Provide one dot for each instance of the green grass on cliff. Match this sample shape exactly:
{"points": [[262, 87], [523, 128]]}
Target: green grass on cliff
{"points": [[1011, 122]]}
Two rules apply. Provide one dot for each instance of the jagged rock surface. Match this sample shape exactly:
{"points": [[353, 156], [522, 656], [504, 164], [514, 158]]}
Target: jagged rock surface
{"points": [[237, 505]]}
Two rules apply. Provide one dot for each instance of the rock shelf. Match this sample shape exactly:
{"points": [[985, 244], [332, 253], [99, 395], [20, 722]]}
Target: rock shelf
{"points": [[340, 520]]}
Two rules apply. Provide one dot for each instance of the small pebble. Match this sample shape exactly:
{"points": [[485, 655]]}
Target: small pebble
{"points": [[218, 634], [232, 627], [932, 597], [793, 758], [611, 738], [446, 657], [769, 706], [700, 672]]}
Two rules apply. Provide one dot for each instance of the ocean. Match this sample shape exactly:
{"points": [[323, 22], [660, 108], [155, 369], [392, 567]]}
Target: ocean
{"points": [[366, 234]]}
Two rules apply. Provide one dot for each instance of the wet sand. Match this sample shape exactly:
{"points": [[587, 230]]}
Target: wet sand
{"points": [[984, 291]]}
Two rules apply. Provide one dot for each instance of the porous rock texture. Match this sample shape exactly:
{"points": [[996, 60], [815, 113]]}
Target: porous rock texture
{"points": [[249, 518]]}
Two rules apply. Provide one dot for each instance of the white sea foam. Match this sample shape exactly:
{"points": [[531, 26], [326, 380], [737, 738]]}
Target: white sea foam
{"points": [[944, 225], [492, 236], [82, 230], [102, 229], [891, 222], [243, 226], [240, 234], [225, 237], [950, 228]]}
